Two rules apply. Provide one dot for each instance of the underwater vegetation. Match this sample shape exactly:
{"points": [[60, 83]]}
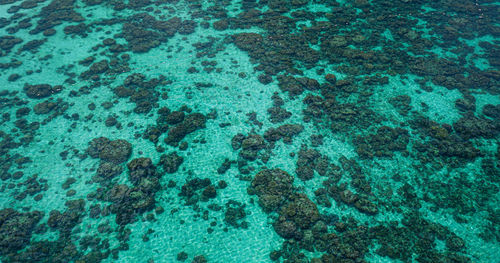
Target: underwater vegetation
{"points": [[249, 131]]}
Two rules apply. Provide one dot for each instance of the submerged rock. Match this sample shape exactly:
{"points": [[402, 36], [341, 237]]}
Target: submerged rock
{"points": [[117, 151], [40, 91], [171, 162], [273, 187], [140, 168], [190, 124], [301, 210], [16, 229]]}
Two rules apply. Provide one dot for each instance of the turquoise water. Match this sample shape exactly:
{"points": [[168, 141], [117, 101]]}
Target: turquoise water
{"points": [[249, 131]]}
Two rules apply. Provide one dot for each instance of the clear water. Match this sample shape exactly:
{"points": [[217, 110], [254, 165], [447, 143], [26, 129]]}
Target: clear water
{"points": [[386, 114]]}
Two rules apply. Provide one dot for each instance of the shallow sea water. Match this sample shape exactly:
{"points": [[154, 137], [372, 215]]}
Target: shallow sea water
{"points": [[249, 131]]}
